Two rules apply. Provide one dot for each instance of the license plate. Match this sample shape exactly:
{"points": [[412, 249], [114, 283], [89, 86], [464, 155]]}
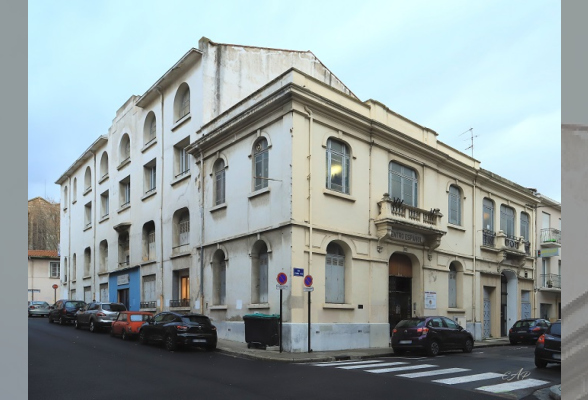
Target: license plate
{"points": [[405, 342], [198, 340], [521, 332], [557, 356]]}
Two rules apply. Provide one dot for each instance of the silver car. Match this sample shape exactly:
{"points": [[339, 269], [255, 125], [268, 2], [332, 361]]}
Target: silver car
{"points": [[98, 315], [40, 308]]}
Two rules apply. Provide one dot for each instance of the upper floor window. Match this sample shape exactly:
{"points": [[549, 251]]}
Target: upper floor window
{"points": [[454, 205], [545, 220], [403, 184], [88, 214], [125, 191], [149, 129], [182, 102], [181, 158], [149, 241], [525, 226], [75, 190], [338, 169], [103, 256], [150, 174], [261, 164], [488, 214], [181, 230], [125, 148], [104, 165], [219, 181], [104, 204], [507, 220], [54, 270], [335, 274], [88, 179], [65, 199]]}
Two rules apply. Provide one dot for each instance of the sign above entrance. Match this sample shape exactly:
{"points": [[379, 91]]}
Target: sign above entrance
{"points": [[549, 252], [122, 279], [407, 236]]}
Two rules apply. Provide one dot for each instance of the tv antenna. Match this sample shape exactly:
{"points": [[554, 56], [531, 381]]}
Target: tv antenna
{"points": [[471, 131]]}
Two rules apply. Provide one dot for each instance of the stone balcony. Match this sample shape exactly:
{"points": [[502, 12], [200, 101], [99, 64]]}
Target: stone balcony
{"points": [[510, 250], [398, 222]]}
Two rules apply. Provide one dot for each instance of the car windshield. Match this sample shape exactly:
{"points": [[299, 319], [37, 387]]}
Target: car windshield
{"points": [[139, 317], [555, 329], [197, 319], [411, 323], [114, 307], [74, 304], [524, 324]]}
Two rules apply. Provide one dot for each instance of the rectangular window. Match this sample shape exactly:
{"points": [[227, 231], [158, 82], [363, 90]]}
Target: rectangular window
{"points": [[88, 215], [488, 213], [54, 270], [149, 288], [546, 220], [150, 174], [454, 206], [125, 191], [403, 184], [545, 267], [220, 187], [507, 220], [525, 226], [104, 204], [181, 158], [263, 283], [104, 292], [184, 287]]}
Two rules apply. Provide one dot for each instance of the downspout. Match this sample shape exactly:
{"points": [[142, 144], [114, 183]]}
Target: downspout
{"points": [[69, 194], [201, 232], [474, 252], [161, 298], [535, 261], [94, 226], [310, 121]]}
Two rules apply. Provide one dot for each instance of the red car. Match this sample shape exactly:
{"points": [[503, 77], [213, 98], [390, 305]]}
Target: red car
{"points": [[127, 323]]}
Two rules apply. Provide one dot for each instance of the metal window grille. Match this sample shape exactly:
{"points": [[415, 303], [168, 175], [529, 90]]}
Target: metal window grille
{"points": [[184, 227]]}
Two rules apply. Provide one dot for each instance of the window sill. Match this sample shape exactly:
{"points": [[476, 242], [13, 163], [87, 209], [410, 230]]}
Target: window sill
{"points": [[103, 273], [180, 178], [456, 310], [53, 277], [64, 209], [456, 227], [86, 277], [149, 194], [148, 145], [343, 196], [147, 262], [259, 192], [88, 227], [220, 307], [88, 190], [74, 201], [124, 163], [258, 306], [336, 306], [104, 178], [181, 121], [218, 207], [104, 218], [123, 208], [180, 254], [73, 281]]}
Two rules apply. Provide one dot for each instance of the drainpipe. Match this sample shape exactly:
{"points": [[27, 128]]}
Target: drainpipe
{"points": [[310, 122], [161, 298], [474, 235], [94, 226], [69, 240], [201, 232]]}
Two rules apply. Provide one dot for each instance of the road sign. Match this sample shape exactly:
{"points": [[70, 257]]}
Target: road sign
{"points": [[282, 287], [35, 290], [298, 271], [54, 286], [308, 280], [308, 289], [282, 278]]}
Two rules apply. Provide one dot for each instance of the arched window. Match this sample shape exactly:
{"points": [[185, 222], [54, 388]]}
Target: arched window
{"points": [[125, 149], [219, 278], [219, 182], [488, 215], [338, 168], [103, 256], [75, 190], [259, 275], [507, 220], [525, 226], [74, 267], [261, 164], [65, 198], [182, 102], [452, 289], [149, 241], [104, 165], [454, 205], [87, 261], [149, 129], [335, 274], [403, 184], [87, 179]]}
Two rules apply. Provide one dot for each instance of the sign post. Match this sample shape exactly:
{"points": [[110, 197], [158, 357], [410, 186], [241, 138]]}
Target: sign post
{"points": [[308, 288], [282, 278], [55, 293]]}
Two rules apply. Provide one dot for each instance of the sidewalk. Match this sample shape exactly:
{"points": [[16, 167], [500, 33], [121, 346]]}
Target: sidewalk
{"points": [[272, 353]]}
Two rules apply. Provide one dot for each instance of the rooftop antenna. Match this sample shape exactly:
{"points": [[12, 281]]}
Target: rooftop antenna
{"points": [[471, 131]]}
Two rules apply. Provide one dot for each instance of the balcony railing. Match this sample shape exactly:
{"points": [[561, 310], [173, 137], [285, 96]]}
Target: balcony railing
{"points": [[397, 209], [148, 304], [550, 235], [488, 238], [511, 242], [179, 303], [527, 248], [550, 280]]}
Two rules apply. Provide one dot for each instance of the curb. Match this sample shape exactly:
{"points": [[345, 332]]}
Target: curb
{"points": [[555, 392]]}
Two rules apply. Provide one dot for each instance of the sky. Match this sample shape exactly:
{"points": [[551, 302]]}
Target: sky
{"points": [[487, 69]]}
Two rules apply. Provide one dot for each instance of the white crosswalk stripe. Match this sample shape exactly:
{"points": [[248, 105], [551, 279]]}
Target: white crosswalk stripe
{"points": [[408, 367], [434, 372], [510, 386], [337, 363], [468, 378], [371, 365]]}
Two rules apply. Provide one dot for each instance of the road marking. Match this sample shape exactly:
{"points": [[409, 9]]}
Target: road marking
{"points": [[468, 378], [435, 372], [384, 370], [372, 365], [507, 387], [334, 363]]}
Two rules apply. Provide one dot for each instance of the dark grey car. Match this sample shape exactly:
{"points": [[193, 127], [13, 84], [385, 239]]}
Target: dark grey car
{"points": [[98, 315]]}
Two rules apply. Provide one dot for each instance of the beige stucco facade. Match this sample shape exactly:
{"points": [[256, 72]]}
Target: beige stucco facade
{"points": [[43, 273], [241, 97]]}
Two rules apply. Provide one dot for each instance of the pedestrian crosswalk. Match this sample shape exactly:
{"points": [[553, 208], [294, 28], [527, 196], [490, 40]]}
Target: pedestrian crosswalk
{"points": [[495, 382]]}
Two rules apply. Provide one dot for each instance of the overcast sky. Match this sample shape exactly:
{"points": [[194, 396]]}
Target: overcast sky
{"points": [[493, 66]]}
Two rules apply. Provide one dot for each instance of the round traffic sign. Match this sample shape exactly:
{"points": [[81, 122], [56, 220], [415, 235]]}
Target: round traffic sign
{"points": [[282, 278], [308, 281], [54, 286]]}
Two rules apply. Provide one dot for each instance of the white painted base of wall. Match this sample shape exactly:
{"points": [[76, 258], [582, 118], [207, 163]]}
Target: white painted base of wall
{"points": [[324, 337], [475, 329]]}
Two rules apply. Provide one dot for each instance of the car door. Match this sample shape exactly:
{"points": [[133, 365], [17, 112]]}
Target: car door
{"points": [[119, 324], [154, 328], [437, 331], [455, 336], [53, 312], [82, 315]]}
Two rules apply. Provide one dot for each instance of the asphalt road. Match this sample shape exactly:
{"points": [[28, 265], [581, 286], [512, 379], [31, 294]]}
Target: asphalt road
{"points": [[65, 363]]}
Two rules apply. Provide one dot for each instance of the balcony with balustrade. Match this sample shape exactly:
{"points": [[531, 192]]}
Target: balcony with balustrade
{"points": [[550, 237], [549, 282]]}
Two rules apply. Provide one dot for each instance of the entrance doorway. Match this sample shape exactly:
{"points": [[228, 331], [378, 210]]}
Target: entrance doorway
{"points": [[123, 297], [399, 289]]}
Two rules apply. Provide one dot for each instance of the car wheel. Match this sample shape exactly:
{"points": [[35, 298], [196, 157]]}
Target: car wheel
{"points": [[211, 347], [49, 318], [143, 337], [76, 324], [512, 341], [124, 335], [170, 343], [539, 363], [468, 346], [399, 352], [61, 321], [432, 348], [93, 327], [112, 332]]}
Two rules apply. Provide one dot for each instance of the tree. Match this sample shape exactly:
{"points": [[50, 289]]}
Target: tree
{"points": [[43, 224]]}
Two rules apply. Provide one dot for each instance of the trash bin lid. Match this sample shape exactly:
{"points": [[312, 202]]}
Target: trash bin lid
{"points": [[261, 316]]}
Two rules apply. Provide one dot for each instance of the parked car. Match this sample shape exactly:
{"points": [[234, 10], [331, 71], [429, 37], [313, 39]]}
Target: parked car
{"points": [[38, 308], [178, 330], [64, 311], [98, 315], [548, 346], [128, 323], [430, 334], [527, 330]]}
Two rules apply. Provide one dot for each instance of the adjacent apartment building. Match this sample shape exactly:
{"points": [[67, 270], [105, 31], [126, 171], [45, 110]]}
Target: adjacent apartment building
{"points": [[43, 273], [241, 163]]}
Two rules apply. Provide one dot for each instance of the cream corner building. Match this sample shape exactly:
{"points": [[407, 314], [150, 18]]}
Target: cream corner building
{"points": [[243, 162]]}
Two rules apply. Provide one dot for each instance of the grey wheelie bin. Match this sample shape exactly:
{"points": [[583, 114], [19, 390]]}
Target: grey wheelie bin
{"points": [[262, 330]]}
